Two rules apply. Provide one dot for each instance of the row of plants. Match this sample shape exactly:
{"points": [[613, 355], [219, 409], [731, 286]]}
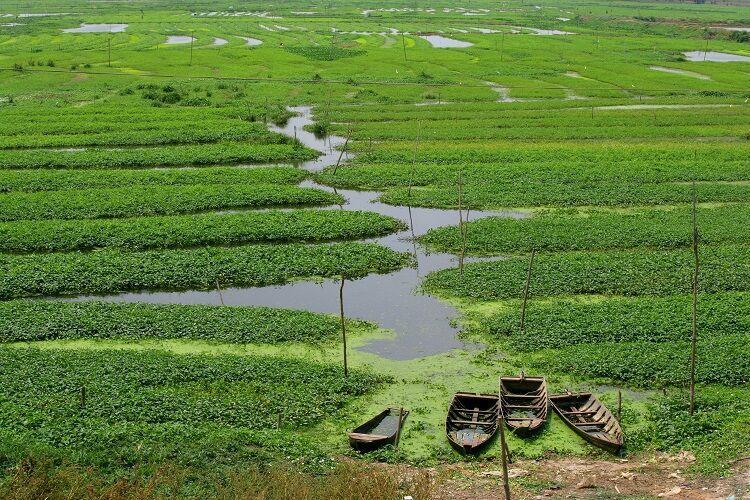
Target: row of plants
{"points": [[304, 226], [155, 200], [632, 273], [151, 406], [563, 321], [722, 360], [141, 157], [52, 180], [673, 158], [36, 320], [558, 230], [113, 270], [183, 134], [562, 194]]}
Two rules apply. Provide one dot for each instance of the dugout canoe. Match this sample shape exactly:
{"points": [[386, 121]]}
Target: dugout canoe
{"points": [[472, 420], [524, 403], [590, 419], [384, 428]]}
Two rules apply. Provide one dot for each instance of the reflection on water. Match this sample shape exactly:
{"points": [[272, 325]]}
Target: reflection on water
{"points": [[97, 28], [177, 39], [443, 42], [423, 324]]}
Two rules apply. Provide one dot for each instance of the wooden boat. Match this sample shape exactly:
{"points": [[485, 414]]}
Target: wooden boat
{"points": [[383, 429], [590, 419], [472, 420], [524, 403]]}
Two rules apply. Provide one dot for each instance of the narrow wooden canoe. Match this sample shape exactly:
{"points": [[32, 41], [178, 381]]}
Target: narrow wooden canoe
{"points": [[524, 403], [382, 429], [472, 420], [590, 419]]}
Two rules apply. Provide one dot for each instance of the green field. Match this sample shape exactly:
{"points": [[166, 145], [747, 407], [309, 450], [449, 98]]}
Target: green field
{"points": [[130, 165]]}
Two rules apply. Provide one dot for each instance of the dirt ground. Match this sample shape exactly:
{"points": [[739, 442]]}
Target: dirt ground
{"points": [[652, 476]]}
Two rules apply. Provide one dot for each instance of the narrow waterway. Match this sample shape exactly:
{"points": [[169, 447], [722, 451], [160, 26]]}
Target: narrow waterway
{"points": [[423, 325]]}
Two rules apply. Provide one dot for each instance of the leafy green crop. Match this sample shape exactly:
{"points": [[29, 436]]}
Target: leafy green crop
{"points": [[151, 406], [636, 272], [208, 154], [155, 200], [561, 322], [194, 230], [723, 360], [112, 271], [30, 320], [52, 180], [594, 230]]}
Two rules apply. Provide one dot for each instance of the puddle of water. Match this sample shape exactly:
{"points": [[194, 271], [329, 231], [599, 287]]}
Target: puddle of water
{"points": [[44, 14], [701, 56], [503, 93], [659, 106], [731, 28], [486, 31], [218, 42], [423, 324], [682, 72], [563, 19], [442, 42], [177, 39], [252, 42], [97, 28], [542, 32]]}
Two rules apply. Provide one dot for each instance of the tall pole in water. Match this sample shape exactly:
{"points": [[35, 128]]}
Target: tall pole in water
{"points": [[343, 323], [192, 39]]}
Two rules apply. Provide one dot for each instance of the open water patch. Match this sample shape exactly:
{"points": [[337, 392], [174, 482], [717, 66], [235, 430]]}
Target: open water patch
{"points": [[710, 56], [252, 42], [97, 28], [443, 42], [682, 72], [179, 39]]}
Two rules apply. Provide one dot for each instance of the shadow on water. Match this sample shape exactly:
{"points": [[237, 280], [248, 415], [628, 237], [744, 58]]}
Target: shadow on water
{"points": [[423, 324]]}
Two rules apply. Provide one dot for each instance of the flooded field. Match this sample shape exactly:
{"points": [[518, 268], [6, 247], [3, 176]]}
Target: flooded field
{"points": [[443, 42], [682, 72], [253, 42], [178, 39], [711, 56], [97, 28]]}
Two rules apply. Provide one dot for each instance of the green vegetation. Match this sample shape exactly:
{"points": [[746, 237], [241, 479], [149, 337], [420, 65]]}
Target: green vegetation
{"points": [[177, 156], [112, 271], [52, 180], [635, 273], [149, 406], [194, 230], [584, 320], [127, 163], [32, 320], [594, 230], [154, 200]]}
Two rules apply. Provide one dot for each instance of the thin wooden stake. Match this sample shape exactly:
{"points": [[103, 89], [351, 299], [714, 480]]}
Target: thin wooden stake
{"points": [[398, 426], [694, 337], [343, 150], [526, 290], [218, 289], [403, 41], [461, 225], [504, 445], [192, 39], [414, 158], [619, 404], [109, 51], [343, 323], [502, 46]]}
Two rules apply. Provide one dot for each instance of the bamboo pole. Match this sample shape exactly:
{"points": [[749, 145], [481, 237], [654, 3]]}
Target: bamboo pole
{"points": [[343, 323], [461, 225], [526, 290], [619, 404], [218, 289], [694, 336], [504, 446], [192, 39], [343, 150], [414, 158]]}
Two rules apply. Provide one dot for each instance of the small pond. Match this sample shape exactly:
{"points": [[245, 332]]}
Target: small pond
{"points": [[177, 39], [252, 41]]}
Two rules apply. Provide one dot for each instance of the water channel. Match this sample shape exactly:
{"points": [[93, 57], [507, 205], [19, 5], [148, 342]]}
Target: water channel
{"points": [[423, 325]]}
